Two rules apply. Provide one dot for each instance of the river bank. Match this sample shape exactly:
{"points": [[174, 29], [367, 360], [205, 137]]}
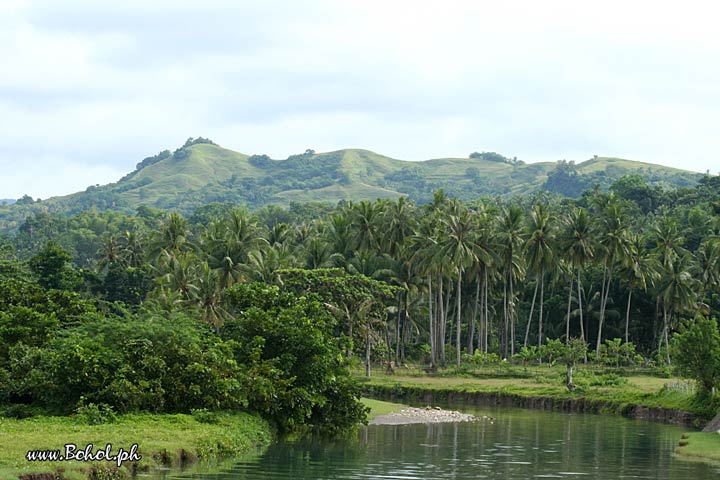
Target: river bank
{"points": [[163, 440], [641, 397], [702, 446], [635, 397]]}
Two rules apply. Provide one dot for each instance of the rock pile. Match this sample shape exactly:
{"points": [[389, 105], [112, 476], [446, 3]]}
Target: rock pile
{"points": [[423, 415]]}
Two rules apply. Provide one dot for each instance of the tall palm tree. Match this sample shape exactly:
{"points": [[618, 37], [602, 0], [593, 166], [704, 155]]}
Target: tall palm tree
{"points": [[613, 231], [639, 270], [132, 248], [539, 249], [460, 251], [577, 249], [366, 225], [677, 289], [510, 238], [398, 224], [207, 295], [171, 238]]}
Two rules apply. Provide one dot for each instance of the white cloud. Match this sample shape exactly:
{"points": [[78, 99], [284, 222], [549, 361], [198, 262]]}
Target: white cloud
{"points": [[99, 86]]}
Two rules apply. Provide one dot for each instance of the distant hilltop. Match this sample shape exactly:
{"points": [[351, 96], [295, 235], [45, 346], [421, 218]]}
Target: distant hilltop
{"points": [[201, 172]]}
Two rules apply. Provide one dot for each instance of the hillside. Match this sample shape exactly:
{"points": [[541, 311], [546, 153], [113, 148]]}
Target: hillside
{"points": [[202, 172]]}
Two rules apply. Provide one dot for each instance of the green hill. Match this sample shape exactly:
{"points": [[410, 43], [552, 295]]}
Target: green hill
{"points": [[201, 172]]}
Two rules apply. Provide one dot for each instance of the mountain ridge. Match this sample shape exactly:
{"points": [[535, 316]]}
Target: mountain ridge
{"points": [[201, 172]]}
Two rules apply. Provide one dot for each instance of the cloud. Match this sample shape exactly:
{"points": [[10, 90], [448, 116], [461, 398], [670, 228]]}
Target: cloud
{"points": [[103, 85]]}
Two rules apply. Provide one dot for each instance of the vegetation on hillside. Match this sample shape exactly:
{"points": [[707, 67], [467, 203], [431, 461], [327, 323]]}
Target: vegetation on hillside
{"points": [[201, 172]]}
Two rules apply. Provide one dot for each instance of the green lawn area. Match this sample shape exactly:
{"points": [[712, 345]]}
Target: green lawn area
{"points": [[700, 446], [614, 391], [161, 439], [378, 407]]}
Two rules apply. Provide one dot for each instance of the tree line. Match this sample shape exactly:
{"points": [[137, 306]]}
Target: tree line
{"points": [[439, 280]]}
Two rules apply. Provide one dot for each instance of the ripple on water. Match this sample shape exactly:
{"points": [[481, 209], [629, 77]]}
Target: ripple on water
{"points": [[517, 446]]}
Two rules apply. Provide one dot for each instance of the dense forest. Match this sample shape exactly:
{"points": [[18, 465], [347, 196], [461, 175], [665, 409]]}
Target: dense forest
{"points": [[225, 308]]}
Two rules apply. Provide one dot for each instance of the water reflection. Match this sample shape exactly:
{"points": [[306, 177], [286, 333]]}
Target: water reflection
{"points": [[519, 444]]}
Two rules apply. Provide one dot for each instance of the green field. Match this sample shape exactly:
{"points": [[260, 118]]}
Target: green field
{"points": [[162, 439], [700, 446], [610, 392]]}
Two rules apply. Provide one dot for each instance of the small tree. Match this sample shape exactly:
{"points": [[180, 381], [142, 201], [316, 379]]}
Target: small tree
{"points": [[570, 354], [697, 352]]}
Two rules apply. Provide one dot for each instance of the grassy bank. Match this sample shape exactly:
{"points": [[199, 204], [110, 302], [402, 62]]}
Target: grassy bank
{"points": [[378, 407], [700, 446], [162, 440], [597, 390]]}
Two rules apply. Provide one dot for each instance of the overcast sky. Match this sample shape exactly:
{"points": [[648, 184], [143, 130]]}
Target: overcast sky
{"points": [[89, 88]]}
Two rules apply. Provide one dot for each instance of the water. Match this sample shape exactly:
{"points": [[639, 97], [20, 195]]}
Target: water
{"points": [[516, 444]]}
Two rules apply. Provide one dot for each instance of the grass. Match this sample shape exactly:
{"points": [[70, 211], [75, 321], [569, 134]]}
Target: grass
{"points": [[700, 446], [170, 179], [162, 439], [378, 407], [607, 392]]}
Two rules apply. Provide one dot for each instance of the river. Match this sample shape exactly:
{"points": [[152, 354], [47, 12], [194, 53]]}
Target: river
{"points": [[512, 444]]}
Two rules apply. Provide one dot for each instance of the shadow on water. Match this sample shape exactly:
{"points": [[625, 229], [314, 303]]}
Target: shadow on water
{"points": [[514, 444]]}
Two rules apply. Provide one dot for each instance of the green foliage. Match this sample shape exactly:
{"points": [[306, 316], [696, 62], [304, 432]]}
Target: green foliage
{"points": [[297, 375], [53, 268], [482, 358], [697, 352], [529, 354], [147, 363], [589, 378], [558, 351], [616, 353], [201, 172], [95, 414]]}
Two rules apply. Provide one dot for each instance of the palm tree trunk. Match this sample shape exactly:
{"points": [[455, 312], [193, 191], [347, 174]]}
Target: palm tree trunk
{"points": [[397, 330], [471, 325], [403, 328], [459, 319], [441, 325], [567, 321], [433, 333], [487, 318], [504, 335], [667, 334], [512, 317], [367, 352], [542, 297], [532, 308], [603, 304], [627, 314], [580, 307]]}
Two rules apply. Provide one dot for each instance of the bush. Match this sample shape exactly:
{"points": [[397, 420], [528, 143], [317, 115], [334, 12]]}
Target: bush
{"points": [[140, 363], [297, 375], [95, 414], [482, 358], [696, 349]]}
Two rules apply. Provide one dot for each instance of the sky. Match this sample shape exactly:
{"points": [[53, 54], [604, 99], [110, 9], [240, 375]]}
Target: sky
{"points": [[88, 89]]}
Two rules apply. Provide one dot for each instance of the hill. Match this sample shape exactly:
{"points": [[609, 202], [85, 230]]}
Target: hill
{"points": [[201, 172]]}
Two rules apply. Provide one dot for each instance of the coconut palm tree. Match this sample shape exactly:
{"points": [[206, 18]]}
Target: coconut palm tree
{"points": [[613, 232], [639, 268], [510, 238], [171, 238], [577, 249], [540, 251], [460, 252], [677, 290]]}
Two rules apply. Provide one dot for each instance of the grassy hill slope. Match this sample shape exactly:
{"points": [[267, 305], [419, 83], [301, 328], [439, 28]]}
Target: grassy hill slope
{"points": [[201, 173]]}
